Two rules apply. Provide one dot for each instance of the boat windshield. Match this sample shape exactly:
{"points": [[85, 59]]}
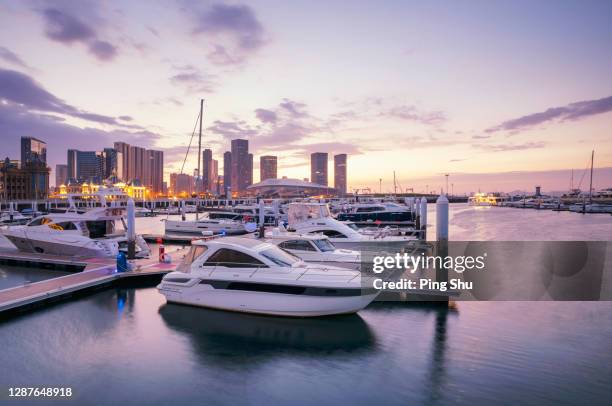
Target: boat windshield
{"points": [[280, 257], [194, 253], [352, 226], [324, 244]]}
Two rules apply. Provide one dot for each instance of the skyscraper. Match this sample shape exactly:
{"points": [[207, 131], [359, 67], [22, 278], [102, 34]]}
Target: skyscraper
{"points": [[33, 151], [340, 174], [136, 163], [318, 168], [212, 173], [85, 166], [154, 171], [206, 166], [250, 170], [240, 165], [110, 162], [61, 174], [267, 167], [227, 172], [123, 153]]}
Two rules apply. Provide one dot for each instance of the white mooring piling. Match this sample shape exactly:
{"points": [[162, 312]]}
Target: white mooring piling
{"points": [[442, 235], [131, 228], [276, 209], [423, 215], [262, 219]]}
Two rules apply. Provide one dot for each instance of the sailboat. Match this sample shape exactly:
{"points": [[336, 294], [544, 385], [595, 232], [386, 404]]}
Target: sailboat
{"points": [[591, 207], [204, 225]]}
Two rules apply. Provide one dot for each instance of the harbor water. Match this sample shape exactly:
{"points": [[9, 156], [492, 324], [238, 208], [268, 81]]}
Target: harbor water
{"points": [[126, 345]]}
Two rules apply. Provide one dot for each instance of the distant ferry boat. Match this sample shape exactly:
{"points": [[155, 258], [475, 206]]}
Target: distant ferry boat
{"points": [[484, 199]]}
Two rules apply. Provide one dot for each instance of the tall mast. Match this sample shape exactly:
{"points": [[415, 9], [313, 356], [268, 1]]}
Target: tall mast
{"points": [[200, 148], [394, 184], [591, 183]]}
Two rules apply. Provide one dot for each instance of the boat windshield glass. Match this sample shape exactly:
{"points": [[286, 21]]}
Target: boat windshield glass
{"points": [[324, 244], [352, 226], [280, 257], [193, 254]]}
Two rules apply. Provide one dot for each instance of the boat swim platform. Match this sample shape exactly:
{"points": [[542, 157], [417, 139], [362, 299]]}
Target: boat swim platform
{"points": [[97, 273]]}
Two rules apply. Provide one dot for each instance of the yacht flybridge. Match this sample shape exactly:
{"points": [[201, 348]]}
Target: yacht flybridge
{"points": [[250, 275], [315, 218], [88, 234]]}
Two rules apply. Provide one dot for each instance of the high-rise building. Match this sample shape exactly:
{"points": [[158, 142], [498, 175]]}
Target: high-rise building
{"points": [[340, 179], [212, 173], [123, 153], [267, 167], [33, 151], [250, 170], [182, 184], [61, 174], [85, 165], [110, 162], [227, 172], [154, 171], [206, 166], [240, 165], [136, 163], [318, 168], [28, 182]]}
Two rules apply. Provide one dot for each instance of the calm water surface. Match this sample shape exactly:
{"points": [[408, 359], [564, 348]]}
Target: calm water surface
{"points": [[127, 345]]}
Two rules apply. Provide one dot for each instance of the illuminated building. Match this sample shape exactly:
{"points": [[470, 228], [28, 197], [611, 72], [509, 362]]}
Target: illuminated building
{"points": [[340, 173], [318, 168], [267, 167]]}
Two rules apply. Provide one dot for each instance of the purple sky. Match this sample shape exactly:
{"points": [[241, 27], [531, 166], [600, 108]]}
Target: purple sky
{"points": [[419, 88]]}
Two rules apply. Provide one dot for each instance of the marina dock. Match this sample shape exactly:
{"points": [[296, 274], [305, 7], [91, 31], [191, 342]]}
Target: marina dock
{"points": [[96, 273]]}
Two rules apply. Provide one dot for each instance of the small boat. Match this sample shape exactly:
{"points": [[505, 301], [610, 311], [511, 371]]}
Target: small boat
{"points": [[314, 248], [315, 218], [252, 276]]}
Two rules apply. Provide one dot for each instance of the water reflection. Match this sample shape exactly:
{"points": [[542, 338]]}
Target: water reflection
{"points": [[220, 334]]}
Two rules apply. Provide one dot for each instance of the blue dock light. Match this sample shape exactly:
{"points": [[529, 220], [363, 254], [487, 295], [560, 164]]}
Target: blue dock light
{"points": [[122, 264]]}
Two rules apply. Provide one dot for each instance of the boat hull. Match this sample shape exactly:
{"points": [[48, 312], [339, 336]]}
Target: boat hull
{"points": [[72, 249], [275, 304]]}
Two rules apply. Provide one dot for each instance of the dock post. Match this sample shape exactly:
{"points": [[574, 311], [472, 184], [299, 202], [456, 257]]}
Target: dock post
{"points": [[182, 210], [423, 215], [262, 219], [276, 212], [442, 236], [131, 228], [417, 216]]}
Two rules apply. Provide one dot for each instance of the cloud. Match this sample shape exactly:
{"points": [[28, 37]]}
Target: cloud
{"points": [[234, 32], [192, 80], [296, 109], [9, 56], [63, 27], [511, 147], [21, 89], [411, 113], [457, 160], [17, 120], [266, 116], [233, 129], [570, 112], [480, 137]]}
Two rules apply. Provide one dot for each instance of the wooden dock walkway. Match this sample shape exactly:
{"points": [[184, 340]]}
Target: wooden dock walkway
{"points": [[97, 272]]}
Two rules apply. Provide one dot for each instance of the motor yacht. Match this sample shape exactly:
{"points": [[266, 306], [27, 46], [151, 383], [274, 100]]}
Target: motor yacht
{"points": [[253, 276], [314, 248], [591, 208], [375, 212], [88, 234], [12, 218], [315, 218], [216, 226]]}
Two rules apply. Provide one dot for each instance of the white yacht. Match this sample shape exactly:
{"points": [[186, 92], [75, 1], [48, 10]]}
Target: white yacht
{"points": [[253, 276], [315, 218], [375, 212], [591, 208], [12, 218], [314, 248], [216, 226], [89, 234]]}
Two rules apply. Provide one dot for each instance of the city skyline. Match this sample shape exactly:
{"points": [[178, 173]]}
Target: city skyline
{"points": [[480, 91]]}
